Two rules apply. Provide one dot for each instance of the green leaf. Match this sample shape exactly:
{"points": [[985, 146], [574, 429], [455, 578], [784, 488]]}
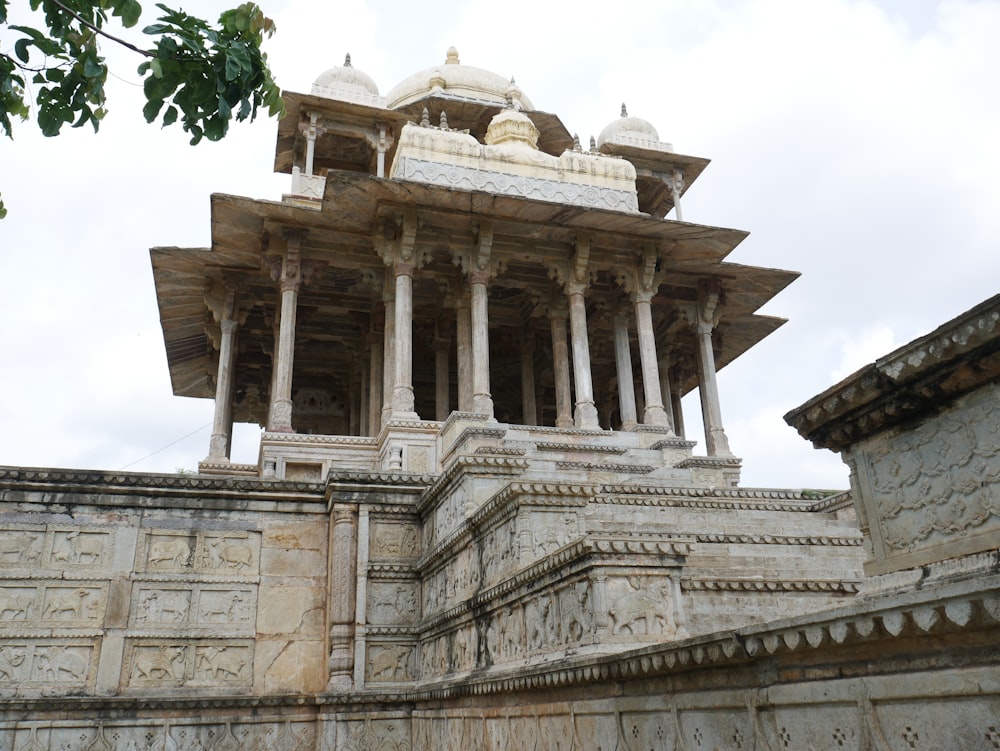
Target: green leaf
{"points": [[21, 49], [152, 109], [92, 68]]}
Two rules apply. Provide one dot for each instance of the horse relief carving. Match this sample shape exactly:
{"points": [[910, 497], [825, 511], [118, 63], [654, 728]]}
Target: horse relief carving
{"points": [[16, 604]]}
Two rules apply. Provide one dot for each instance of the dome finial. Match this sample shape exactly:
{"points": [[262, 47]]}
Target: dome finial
{"points": [[452, 58], [425, 119], [624, 111], [347, 60], [443, 123]]}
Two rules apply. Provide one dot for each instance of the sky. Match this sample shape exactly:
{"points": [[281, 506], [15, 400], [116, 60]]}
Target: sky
{"points": [[857, 141]]}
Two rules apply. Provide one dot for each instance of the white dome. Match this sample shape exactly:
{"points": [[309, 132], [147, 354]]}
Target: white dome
{"points": [[628, 128], [348, 84], [455, 79]]}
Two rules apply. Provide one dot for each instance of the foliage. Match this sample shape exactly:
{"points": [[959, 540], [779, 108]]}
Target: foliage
{"points": [[197, 73]]}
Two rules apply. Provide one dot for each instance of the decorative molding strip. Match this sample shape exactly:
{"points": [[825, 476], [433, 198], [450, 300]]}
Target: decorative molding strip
{"points": [[639, 469], [770, 585], [581, 447], [711, 462]]}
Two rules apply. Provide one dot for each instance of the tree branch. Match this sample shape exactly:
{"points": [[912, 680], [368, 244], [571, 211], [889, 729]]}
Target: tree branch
{"points": [[98, 30]]}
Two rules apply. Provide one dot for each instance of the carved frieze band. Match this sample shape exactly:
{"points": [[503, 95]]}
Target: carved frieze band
{"points": [[41, 548], [272, 734], [233, 553], [166, 663], [46, 663], [174, 606], [39, 603]]}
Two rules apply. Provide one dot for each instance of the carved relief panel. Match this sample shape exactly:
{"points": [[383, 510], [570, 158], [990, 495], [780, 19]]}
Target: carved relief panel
{"points": [[390, 663], [60, 547], [391, 540], [641, 606], [393, 602], [45, 663], [160, 663], [235, 553], [933, 491], [156, 605], [52, 603]]}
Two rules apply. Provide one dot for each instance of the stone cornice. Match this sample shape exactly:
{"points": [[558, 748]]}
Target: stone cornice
{"points": [[918, 378], [726, 498], [711, 462], [771, 585], [595, 448], [634, 469], [471, 464], [121, 488]]}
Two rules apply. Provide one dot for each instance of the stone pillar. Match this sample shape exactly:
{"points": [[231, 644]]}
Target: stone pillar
{"points": [[222, 422], [376, 351], [311, 142], [280, 415], [529, 410], [388, 351], [380, 159], [676, 187], [342, 575], [586, 412], [667, 391], [402, 391], [442, 379], [623, 365], [708, 312], [463, 336], [560, 367], [678, 413], [482, 400], [653, 410]]}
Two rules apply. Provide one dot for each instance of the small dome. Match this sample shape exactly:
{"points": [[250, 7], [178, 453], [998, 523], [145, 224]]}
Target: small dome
{"points": [[628, 128], [461, 81], [348, 84], [511, 126]]}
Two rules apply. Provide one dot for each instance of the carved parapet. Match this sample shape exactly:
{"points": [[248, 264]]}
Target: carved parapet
{"points": [[918, 428]]}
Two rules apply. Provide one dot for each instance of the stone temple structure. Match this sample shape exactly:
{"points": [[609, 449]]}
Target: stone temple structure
{"points": [[478, 520]]}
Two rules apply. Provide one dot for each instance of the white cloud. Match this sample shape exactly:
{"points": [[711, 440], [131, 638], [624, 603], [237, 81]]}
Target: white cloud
{"points": [[858, 141]]}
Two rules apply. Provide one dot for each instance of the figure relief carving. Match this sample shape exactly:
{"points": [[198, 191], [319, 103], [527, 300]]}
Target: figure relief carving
{"points": [[12, 663], [539, 620], [394, 540], [64, 604], [225, 664], [159, 663], [225, 607], [16, 604], [390, 662], [511, 633], [57, 664], [159, 605], [20, 546], [394, 604], [574, 607], [647, 601]]}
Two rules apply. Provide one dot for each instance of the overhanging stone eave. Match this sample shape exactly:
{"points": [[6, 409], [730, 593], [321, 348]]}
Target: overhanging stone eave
{"points": [[366, 195], [919, 377], [298, 106]]}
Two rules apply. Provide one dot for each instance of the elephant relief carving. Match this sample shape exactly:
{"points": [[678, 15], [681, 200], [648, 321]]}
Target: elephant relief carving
{"points": [[159, 663]]}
